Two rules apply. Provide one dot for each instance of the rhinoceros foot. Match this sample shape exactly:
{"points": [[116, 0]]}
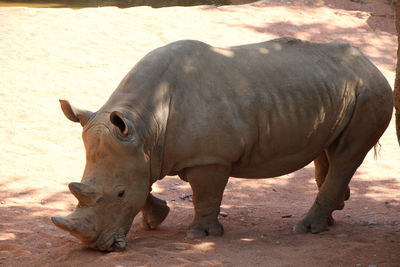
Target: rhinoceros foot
{"points": [[315, 221], [202, 230], [314, 226], [153, 216]]}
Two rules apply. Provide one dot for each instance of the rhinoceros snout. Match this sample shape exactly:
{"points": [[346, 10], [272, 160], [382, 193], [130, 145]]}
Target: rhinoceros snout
{"points": [[111, 241]]}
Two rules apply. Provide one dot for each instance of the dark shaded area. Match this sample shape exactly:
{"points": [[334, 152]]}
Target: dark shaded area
{"points": [[118, 3]]}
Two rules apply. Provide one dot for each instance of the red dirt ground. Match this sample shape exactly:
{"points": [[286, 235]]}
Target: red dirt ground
{"points": [[81, 55]]}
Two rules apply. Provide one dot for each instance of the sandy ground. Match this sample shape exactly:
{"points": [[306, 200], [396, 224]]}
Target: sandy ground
{"points": [[81, 55]]}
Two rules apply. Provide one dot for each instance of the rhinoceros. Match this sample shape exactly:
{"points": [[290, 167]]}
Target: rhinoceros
{"points": [[206, 114]]}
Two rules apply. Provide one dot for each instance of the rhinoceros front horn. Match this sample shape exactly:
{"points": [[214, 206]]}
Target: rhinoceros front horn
{"points": [[63, 224], [83, 192], [77, 226]]}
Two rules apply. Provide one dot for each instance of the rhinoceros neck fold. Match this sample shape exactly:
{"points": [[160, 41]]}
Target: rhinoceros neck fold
{"points": [[148, 110]]}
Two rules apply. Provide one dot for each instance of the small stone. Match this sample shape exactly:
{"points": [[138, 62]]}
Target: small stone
{"points": [[2, 202], [365, 208], [42, 202], [372, 265], [184, 196], [278, 242], [49, 244], [177, 183], [273, 189], [180, 248], [342, 235], [172, 188], [223, 214], [287, 216], [347, 215], [358, 265]]}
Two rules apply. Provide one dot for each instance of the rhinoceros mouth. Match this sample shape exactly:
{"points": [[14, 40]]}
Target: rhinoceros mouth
{"points": [[113, 242], [119, 244]]}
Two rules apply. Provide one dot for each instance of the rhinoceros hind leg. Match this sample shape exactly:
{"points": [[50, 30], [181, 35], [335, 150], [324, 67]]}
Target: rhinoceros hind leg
{"points": [[321, 164], [208, 184], [345, 155], [154, 212]]}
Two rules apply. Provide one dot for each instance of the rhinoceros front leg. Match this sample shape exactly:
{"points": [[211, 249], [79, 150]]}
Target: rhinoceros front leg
{"points": [[208, 184], [154, 212]]}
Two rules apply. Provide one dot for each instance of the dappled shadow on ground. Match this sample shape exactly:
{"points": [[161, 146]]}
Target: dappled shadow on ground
{"points": [[381, 13], [26, 220], [381, 53], [259, 216]]}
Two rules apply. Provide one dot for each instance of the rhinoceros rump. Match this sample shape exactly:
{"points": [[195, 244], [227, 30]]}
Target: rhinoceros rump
{"points": [[207, 114]]}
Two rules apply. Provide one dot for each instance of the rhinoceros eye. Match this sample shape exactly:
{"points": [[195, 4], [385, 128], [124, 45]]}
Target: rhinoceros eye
{"points": [[121, 193]]}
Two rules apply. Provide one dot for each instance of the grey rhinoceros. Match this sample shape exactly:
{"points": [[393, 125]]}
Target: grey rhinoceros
{"points": [[206, 114]]}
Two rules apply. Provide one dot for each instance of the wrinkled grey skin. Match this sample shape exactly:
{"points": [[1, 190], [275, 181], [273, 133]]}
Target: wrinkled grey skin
{"points": [[204, 113]]}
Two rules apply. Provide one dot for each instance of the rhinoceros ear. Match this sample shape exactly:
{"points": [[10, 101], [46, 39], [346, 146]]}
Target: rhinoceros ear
{"points": [[119, 121], [75, 114]]}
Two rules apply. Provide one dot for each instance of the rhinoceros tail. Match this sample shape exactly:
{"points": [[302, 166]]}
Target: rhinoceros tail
{"points": [[398, 125], [377, 150]]}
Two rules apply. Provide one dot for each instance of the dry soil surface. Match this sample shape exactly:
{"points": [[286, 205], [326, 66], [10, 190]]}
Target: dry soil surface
{"points": [[81, 55]]}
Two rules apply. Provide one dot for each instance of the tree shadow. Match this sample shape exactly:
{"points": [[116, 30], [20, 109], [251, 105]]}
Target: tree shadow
{"points": [[260, 216], [381, 53], [381, 13], [26, 232]]}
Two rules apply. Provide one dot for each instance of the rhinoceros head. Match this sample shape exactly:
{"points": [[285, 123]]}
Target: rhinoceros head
{"points": [[115, 183]]}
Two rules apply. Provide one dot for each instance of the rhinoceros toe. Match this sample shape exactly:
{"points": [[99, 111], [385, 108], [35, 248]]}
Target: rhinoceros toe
{"points": [[199, 231], [314, 226]]}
